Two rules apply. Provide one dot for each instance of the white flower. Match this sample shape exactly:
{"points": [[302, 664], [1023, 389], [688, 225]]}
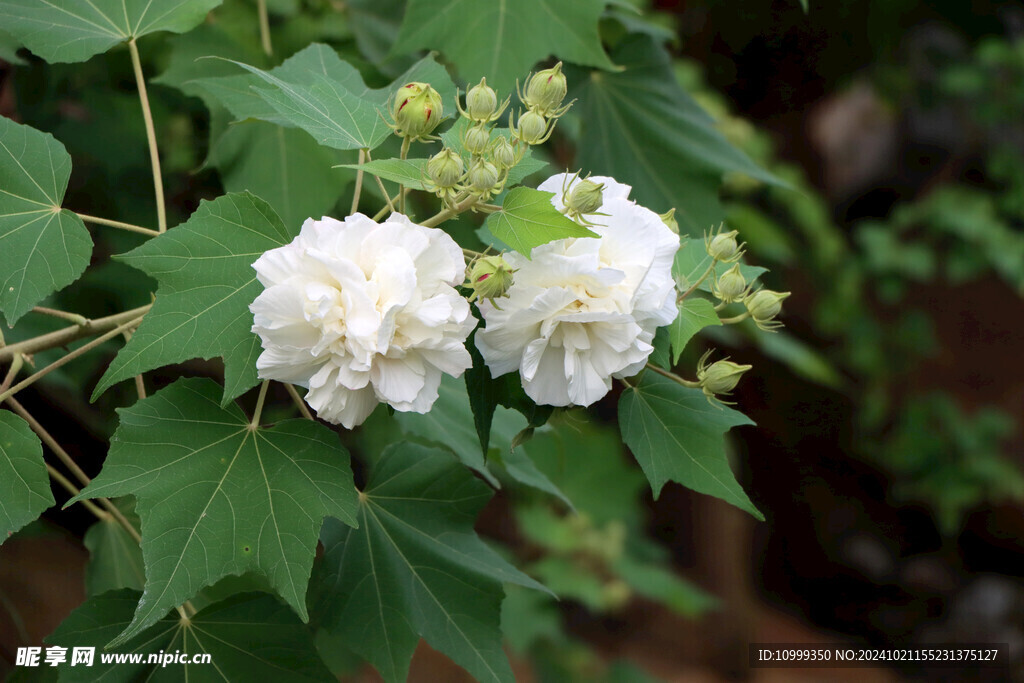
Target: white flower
{"points": [[360, 313], [584, 310]]}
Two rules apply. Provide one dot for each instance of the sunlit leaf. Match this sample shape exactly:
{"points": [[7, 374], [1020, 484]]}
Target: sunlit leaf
{"points": [[217, 497], [694, 315], [43, 248], [528, 219], [24, 484]]}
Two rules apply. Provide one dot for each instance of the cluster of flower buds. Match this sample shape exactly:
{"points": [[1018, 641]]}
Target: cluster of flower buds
{"points": [[763, 305], [416, 110], [489, 277], [718, 378], [543, 96]]}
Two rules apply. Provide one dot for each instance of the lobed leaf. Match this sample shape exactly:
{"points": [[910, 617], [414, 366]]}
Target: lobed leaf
{"points": [[528, 219], [694, 315], [24, 485], [115, 558]]}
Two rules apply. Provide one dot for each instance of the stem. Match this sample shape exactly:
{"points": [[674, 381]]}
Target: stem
{"points": [[154, 154], [674, 377], [445, 214], [380, 214], [12, 372], [359, 182], [66, 484], [259, 405], [300, 404], [401, 190], [117, 224], [31, 379], [261, 8], [736, 319], [696, 284], [67, 335], [73, 317]]}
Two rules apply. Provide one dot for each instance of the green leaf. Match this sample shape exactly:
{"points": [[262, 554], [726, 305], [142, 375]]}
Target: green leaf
{"points": [[806, 5], [694, 315], [675, 434], [641, 127], [692, 261], [528, 219], [43, 248], [115, 558], [217, 497], [300, 182], [415, 568], [249, 637], [24, 484], [9, 49], [75, 30], [204, 268], [664, 586], [318, 92], [408, 172], [503, 40]]}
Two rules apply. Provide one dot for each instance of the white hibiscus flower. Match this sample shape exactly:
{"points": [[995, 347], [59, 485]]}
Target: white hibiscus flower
{"points": [[584, 310], [360, 313]]}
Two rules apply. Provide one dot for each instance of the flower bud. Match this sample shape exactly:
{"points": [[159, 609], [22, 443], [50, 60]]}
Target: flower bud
{"points": [[533, 128], [669, 219], [482, 176], [719, 378], [445, 168], [417, 109], [503, 154], [489, 277], [586, 197], [723, 246], [616, 594], [476, 140], [763, 305], [545, 90], [481, 101], [731, 285]]}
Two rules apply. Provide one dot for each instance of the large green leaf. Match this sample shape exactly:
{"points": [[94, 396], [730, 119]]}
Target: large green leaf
{"points": [[43, 248], [115, 558], [528, 219], [249, 637], [503, 39], [675, 434], [204, 268], [641, 127], [416, 568], [24, 484], [318, 92], [694, 315], [217, 497], [75, 30]]}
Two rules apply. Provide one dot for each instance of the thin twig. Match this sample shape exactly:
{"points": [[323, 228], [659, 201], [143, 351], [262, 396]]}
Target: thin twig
{"points": [[117, 224], [154, 153], [73, 317], [674, 377], [389, 208], [66, 484], [383, 190], [65, 336], [259, 405], [261, 8], [12, 372], [696, 284], [445, 214], [359, 182], [303, 408]]}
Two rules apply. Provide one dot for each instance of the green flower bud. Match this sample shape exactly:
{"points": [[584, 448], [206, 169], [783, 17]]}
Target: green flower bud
{"points": [[481, 101], [503, 154], [723, 246], [586, 197], [482, 176], [731, 285], [719, 378], [416, 109], [545, 91], [489, 278], [533, 128], [763, 305], [669, 219], [476, 140], [616, 594], [445, 168]]}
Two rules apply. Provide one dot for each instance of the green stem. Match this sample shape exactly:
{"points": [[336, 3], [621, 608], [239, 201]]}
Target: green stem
{"points": [[31, 379], [73, 317], [697, 284], [299, 403], [383, 190], [259, 405], [390, 207], [154, 153], [117, 224], [261, 9], [674, 377], [445, 214], [359, 182], [66, 484], [12, 372], [402, 189], [67, 335], [736, 319]]}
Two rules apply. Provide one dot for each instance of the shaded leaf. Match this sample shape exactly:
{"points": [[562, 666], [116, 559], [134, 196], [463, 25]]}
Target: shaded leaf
{"points": [[249, 637], [115, 558], [218, 498], [43, 248], [24, 485], [416, 568], [204, 268], [676, 435], [528, 219], [694, 315], [503, 40], [75, 30]]}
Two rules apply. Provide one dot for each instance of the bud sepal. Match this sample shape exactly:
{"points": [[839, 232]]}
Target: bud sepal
{"points": [[719, 378]]}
